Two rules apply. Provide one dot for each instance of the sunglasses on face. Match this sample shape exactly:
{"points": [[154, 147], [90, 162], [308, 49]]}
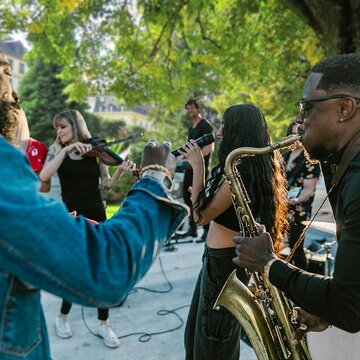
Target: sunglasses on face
{"points": [[305, 105]]}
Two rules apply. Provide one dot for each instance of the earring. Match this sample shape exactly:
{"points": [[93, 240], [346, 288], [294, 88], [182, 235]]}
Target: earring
{"points": [[341, 120]]}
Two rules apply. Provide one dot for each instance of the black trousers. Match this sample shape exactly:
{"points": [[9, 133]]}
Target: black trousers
{"points": [[212, 334], [103, 314], [98, 214]]}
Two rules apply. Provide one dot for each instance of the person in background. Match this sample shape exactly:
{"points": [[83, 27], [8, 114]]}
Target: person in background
{"points": [[330, 132], [302, 177], [83, 179], [35, 150], [212, 334], [199, 127], [43, 247]]}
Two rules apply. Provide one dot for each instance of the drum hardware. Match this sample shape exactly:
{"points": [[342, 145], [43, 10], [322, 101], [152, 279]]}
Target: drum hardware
{"points": [[321, 260]]}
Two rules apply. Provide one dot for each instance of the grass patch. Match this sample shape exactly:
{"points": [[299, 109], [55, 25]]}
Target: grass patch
{"points": [[111, 210]]}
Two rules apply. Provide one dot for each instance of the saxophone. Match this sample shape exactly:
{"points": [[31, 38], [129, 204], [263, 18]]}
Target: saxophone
{"points": [[266, 314]]}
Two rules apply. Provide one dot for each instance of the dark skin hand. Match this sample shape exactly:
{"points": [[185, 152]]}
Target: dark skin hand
{"points": [[154, 154], [253, 253], [311, 322]]}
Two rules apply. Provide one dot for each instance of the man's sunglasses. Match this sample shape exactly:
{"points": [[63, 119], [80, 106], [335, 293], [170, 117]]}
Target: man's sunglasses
{"points": [[305, 105]]}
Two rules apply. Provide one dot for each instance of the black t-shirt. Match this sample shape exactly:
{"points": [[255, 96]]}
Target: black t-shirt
{"points": [[202, 128], [79, 180]]}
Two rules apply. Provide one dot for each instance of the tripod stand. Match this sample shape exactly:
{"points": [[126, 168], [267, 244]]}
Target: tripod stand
{"points": [[326, 247], [322, 256]]}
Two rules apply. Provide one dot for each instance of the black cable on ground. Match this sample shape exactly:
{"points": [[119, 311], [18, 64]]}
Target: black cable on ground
{"points": [[136, 288], [144, 336]]}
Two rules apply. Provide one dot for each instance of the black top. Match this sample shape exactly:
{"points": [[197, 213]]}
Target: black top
{"points": [[228, 219], [79, 180], [202, 128], [336, 299]]}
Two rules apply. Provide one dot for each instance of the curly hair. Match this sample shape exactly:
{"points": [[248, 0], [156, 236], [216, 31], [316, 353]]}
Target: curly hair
{"points": [[245, 125], [8, 119]]}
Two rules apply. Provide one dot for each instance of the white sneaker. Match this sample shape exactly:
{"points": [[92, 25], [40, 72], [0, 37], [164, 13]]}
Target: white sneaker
{"points": [[108, 335], [62, 327]]}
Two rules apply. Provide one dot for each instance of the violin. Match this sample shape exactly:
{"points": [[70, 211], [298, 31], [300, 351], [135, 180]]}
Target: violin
{"points": [[100, 149]]}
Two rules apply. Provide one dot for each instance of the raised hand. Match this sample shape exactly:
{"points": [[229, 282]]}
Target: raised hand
{"points": [[127, 165], [79, 148], [192, 153], [154, 154]]}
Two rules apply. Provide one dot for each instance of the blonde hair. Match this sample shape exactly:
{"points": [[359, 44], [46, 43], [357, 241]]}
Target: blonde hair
{"points": [[74, 117]]}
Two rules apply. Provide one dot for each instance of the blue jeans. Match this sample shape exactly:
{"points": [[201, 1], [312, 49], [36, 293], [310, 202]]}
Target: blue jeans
{"points": [[213, 334], [42, 247]]}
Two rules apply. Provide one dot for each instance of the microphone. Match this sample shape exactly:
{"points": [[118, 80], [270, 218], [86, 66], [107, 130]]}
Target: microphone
{"points": [[202, 141]]}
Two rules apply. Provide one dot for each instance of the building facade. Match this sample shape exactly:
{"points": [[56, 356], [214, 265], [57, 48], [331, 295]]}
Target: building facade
{"points": [[107, 108], [14, 52]]}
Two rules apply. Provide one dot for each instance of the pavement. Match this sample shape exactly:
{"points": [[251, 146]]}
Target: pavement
{"points": [[140, 315]]}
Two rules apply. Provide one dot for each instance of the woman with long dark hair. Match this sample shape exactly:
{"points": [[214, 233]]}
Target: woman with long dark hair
{"points": [[212, 334]]}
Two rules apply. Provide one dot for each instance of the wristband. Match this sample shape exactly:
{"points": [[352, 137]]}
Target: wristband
{"points": [[156, 167]]}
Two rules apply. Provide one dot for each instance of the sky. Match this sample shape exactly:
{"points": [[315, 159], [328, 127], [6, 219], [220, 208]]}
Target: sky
{"points": [[22, 37]]}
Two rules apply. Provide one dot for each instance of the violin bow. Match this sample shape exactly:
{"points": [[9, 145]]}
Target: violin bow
{"points": [[124, 139]]}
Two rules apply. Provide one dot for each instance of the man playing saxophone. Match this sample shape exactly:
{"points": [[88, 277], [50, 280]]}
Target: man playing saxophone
{"points": [[330, 132]]}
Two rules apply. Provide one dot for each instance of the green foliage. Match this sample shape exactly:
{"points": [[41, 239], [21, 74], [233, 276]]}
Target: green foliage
{"points": [[111, 210], [112, 129], [159, 52], [41, 95]]}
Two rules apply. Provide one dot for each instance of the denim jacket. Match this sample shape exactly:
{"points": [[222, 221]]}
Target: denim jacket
{"points": [[42, 247]]}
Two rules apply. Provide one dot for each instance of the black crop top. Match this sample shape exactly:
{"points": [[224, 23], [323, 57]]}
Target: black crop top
{"points": [[228, 219]]}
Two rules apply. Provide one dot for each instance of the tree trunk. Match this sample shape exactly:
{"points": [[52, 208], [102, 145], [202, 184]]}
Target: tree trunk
{"points": [[336, 22]]}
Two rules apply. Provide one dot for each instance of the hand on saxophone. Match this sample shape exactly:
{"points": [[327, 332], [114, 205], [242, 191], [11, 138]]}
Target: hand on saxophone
{"points": [[307, 322], [253, 253]]}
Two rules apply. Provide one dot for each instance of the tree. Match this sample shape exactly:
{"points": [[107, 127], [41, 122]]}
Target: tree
{"points": [[337, 23], [160, 52], [41, 96]]}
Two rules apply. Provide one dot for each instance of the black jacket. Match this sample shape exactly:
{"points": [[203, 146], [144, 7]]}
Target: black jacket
{"points": [[336, 299]]}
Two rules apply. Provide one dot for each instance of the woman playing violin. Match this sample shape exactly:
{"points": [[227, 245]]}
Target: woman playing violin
{"points": [[83, 179]]}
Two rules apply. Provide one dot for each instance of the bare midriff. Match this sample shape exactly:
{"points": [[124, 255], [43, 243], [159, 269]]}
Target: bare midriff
{"points": [[220, 237]]}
